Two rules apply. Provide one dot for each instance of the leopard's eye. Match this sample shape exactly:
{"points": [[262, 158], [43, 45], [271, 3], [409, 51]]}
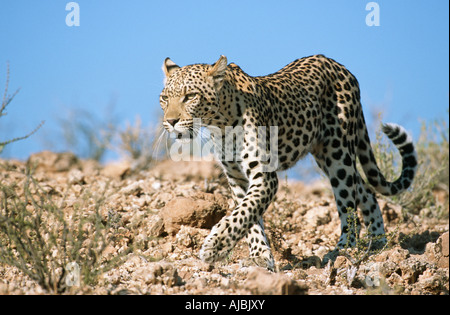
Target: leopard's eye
{"points": [[190, 97], [164, 98]]}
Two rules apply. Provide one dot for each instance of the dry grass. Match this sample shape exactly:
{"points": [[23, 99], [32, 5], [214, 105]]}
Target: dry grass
{"points": [[432, 174], [43, 239]]}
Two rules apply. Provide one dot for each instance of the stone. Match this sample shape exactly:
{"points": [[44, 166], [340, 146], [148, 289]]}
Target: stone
{"points": [[47, 161], [444, 259], [202, 211], [318, 216], [261, 281], [135, 188], [444, 240], [76, 177], [116, 170], [156, 226]]}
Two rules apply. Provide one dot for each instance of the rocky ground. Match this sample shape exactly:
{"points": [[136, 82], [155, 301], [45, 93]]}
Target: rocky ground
{"points": [[165, 213]]}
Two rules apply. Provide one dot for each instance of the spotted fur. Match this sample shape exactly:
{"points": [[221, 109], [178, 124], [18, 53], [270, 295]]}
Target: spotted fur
{"points": [[315, 103]]}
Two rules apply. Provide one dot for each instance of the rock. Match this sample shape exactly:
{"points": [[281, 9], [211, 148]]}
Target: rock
{"points": [[411, 269], [202, 211], [135, 188], [76, 177], [395, 255], [318, 216], [156, 226], [340, 262], [311, 261], [438, 252], [47, 161], [185, 170], [261, 281], [91, 168], [416, 243], [434, 282], [156, 185], [157, 273], [443, 262], [391, 212], [301, 224], [4, 290], [117, 170]]}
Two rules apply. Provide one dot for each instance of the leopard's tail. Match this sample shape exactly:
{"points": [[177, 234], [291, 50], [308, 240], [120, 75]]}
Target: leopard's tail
{"points": [[398, 135]]}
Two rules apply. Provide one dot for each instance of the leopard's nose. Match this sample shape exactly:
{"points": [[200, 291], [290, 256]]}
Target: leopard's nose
{"points": [[172, 122]]}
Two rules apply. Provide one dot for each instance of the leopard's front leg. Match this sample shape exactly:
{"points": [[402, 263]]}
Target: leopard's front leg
{"points": [[225, 234]]}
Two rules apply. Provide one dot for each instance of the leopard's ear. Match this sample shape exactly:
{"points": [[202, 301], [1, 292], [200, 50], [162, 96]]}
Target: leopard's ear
{"points": [[217, 71], [169, 67]]}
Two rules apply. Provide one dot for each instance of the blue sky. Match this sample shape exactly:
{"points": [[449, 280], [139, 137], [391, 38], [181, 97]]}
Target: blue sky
{"points": [[117, 51]]}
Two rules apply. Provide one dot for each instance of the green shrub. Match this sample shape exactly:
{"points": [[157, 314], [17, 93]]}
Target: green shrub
{"points": [[432, 173], [46, 241]]}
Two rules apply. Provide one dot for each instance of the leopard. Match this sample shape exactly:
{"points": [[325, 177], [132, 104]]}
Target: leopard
{"points": [[314, 107]]}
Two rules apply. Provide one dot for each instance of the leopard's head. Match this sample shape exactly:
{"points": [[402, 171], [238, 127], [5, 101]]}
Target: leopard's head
{"points": [[190, 92]]}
